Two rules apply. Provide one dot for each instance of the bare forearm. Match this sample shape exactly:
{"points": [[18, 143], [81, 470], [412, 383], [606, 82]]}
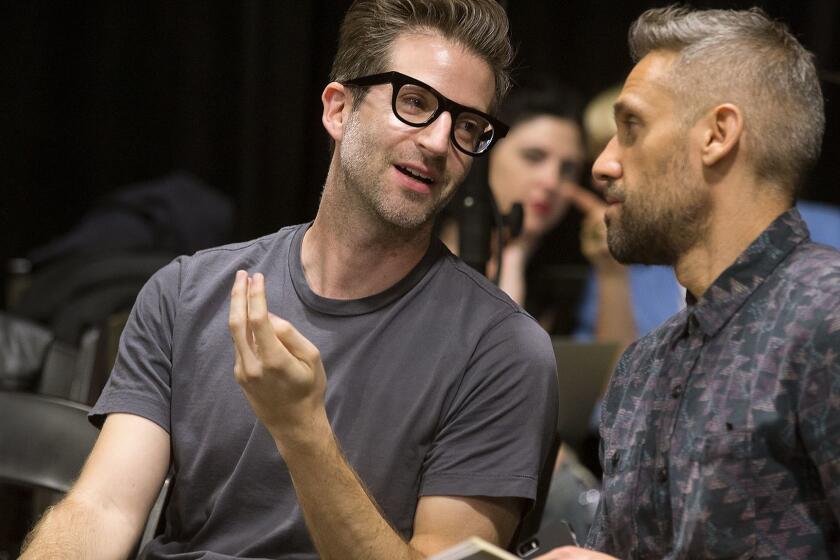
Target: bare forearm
{"points": [[342, 518], [76, 529]]}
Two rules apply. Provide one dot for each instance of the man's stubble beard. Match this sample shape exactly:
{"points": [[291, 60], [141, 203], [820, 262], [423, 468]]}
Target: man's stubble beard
{"points": [[363, 177], [659, 222]]}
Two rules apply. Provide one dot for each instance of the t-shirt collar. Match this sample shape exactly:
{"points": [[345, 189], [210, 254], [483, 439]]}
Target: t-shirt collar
{"points": [[355, 306]]}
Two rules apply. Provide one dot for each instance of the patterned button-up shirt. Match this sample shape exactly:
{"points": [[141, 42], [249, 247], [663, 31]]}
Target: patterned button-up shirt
{"points": [[721, 429]]}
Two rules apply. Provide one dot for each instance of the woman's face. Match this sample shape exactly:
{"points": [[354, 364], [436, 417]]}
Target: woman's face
{"points": [[535, 164]]}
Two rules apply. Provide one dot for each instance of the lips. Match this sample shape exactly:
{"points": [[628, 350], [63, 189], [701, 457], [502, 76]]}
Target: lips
{"points": [[415, 174], [541, 208], [613, 196]]}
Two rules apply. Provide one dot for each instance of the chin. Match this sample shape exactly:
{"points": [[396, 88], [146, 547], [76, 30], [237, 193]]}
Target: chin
{"points": [[533, 232], [540, 225]]}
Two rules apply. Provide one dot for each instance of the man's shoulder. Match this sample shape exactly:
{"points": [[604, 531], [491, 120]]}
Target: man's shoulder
{"points": [[468, 282], [462, 290], [242, 250], [461, 280], [215, 267], [814, 267], [273, 247], [639, 356]]}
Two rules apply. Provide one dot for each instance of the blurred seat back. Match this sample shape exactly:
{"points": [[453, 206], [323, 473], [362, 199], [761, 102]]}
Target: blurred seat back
{"points": [[44, 442]]}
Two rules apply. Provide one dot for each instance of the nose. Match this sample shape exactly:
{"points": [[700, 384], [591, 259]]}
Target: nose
{"points": [[550, 178], [607, 167], [434, 138]]}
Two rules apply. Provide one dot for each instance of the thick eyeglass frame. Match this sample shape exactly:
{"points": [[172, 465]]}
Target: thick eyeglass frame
{"points": [[398, 80]]}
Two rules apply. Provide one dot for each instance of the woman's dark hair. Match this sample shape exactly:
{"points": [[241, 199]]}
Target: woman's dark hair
{"points": [[543, 97], [554, 285]]}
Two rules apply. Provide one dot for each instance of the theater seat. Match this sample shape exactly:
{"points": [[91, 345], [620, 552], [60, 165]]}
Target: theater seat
{"points": [[44, 442]]}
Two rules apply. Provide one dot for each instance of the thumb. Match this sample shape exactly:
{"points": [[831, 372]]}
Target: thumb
{"points": [[297, 344]]}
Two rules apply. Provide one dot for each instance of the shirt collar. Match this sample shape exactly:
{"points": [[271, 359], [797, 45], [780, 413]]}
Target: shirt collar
{"points": [[749, 271]]}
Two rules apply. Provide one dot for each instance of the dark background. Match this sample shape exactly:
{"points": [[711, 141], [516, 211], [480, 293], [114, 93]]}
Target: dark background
{"points": [[98, 94]]}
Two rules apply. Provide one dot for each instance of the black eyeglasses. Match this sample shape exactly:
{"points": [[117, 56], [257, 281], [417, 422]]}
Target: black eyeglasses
{"points": [[417, 104]]}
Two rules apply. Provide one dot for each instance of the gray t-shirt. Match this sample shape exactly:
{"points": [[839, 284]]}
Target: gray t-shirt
{"points": [[440, 385]]}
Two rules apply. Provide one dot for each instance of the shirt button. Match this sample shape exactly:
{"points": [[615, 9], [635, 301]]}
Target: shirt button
{"points": [[676, 392], [662, 474]]}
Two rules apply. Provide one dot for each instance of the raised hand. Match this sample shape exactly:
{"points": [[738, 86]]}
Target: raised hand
{"points": [[279, 370], [593, 231]]}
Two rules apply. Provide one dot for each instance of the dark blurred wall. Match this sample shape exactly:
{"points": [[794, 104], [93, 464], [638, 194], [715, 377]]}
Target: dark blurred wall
{"points": [[98, 94], [585, 43]]}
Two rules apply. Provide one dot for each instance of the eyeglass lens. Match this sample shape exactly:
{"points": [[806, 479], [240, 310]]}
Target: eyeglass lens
{"points": [[416, 105]]}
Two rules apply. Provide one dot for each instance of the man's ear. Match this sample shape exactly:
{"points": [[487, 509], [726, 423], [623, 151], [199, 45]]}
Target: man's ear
{"points": [[724, 130], [336, 100]]}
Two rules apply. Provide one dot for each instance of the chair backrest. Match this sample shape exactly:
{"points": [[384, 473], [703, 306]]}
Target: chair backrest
{"points": [[44, 441], [156, 519]]}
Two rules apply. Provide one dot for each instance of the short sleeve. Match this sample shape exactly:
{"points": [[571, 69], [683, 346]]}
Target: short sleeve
{"points": [[496, 433], [140, 381]]}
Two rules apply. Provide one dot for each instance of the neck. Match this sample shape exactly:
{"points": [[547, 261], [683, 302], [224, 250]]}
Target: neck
{"points": [[351, 253], [740, 213]]}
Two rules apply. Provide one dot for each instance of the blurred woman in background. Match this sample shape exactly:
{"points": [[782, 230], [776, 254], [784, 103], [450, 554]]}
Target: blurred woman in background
{"points": [[538, 165]]}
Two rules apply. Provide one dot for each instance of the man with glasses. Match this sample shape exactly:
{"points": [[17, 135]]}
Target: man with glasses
{"points": [[379, 398], [417, 104]]}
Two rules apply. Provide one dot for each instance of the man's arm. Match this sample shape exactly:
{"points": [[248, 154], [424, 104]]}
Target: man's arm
{"points": [[283, 378], [345, 522], [103, 514]]}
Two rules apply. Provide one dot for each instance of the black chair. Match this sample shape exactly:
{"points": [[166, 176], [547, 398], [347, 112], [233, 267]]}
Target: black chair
{"points": [[44, 442]]}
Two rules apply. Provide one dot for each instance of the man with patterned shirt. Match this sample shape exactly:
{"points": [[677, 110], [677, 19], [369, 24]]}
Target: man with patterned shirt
{"points": [[721, 429]]}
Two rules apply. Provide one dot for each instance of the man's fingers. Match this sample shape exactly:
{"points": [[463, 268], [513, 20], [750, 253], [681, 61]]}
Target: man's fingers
{"points": [[238, 321], [259, 322], [238, 315], [595, 219], [262, 339], [296, 343], [238, 369]]}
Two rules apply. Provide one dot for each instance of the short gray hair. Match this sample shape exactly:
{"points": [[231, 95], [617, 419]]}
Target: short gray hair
{"points": [[745, 58]]}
